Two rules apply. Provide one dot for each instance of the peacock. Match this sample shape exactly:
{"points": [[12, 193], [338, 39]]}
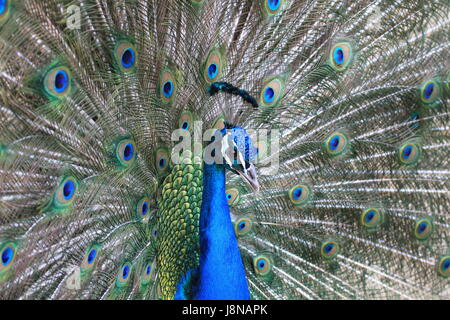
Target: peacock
{"points": [[212, 149]]}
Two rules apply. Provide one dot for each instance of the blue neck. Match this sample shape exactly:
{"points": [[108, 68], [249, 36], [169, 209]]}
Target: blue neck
{"points": [[221, 271]]}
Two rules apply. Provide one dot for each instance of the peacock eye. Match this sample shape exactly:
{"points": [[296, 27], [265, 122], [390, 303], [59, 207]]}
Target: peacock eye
{"points": [[125, 272], [161, 160], [338, 55], [90, 258], [262, 265], [167, 86], [212, 70], [147, 273], [329, 249], [299, 194], [409, 153], [66, 192], [341, 55], [126, 152], [168, 89], [444, 266], [430, 92], [4, 9], [128, 58], [272, 7], [57, 82], [271, 92], [372, 218], [232, 196], [269, 95], [142, 208], [336, 144], [124, 275], [125, 54], [61, 81], [423, 229], [8, 254], [213, 66], [243, 226], [186, 119], [273, 4]]}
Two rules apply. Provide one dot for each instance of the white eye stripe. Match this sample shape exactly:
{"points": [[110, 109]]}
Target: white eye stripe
{"points": [[224, 148]]}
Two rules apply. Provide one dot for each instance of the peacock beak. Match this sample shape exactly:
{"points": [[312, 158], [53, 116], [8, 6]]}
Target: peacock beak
{"points": [[250, 177]]}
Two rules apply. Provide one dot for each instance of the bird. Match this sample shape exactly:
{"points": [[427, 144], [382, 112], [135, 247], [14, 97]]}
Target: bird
{"points": [[224, 150]]}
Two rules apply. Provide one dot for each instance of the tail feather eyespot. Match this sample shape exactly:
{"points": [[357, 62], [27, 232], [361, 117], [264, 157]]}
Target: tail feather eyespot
{"points": [[329, 249], [214, 66], [423, 229], [243, 226], [337, 144], [409, 153], [431, 92], [57, 82], [372, 218], [125, 55], [123, 275], [300, 194], [66, 192], [272, 92], [272, 7], [162, 160], [444, 266], [142, 208], [8, 251], [341, 55], [126, 152], [167, 86], [262, 265], [5, 10]]}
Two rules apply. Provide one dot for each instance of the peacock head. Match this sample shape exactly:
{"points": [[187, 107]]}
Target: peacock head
{"points": [[239, 153]]}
